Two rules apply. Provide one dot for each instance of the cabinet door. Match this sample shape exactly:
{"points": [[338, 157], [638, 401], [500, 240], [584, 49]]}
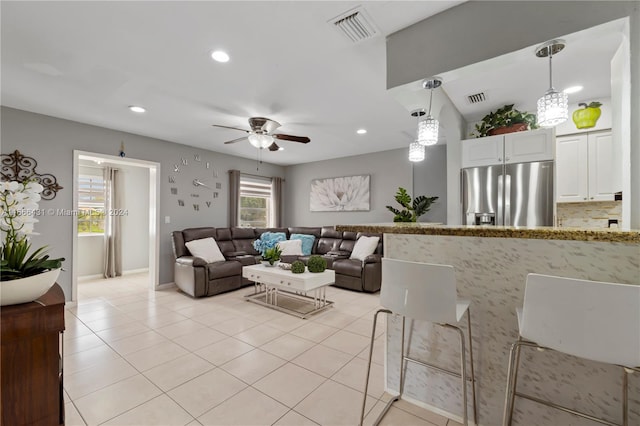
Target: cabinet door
{"points": [[482, 151], [571, 168], [526, 147], [600, 166]]}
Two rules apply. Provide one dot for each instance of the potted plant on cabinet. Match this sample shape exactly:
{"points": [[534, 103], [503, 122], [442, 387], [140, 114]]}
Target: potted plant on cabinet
{"points": [[505, 120]]}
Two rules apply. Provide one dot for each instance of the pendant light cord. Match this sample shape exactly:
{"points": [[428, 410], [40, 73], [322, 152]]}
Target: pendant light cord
{"points": [[550, 69], [430, 99]]}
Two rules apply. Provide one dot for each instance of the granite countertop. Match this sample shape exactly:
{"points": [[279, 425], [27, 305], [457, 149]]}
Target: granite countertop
{"points": [[539, 233]]}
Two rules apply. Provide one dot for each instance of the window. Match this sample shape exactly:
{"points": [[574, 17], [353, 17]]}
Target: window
{"points": [[91, 197], [255, 202]]}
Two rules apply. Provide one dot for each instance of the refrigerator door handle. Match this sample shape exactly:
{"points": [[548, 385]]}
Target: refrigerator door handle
{"points": [[507, 200], [500, 197]]}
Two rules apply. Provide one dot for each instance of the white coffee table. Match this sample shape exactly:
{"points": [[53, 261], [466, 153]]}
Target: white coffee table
{"points": [[287, 292]]}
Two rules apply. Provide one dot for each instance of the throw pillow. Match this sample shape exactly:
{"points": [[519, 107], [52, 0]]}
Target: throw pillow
{"points": [[307, 242], [291, 247], [205, 248], [364, 247]]}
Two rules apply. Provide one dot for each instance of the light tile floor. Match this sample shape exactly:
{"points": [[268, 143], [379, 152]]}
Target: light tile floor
{"points": [[138, 357]]}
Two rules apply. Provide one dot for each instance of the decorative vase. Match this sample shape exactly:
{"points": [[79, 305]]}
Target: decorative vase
{"points": [[517, 127], [27, 289], [266, 263]]}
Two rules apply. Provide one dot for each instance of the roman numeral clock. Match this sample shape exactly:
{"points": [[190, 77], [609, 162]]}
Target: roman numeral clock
{"points": [[194, 183]]}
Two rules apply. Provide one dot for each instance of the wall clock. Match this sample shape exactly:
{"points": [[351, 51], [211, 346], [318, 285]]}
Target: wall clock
{"points": [[194, 182]]}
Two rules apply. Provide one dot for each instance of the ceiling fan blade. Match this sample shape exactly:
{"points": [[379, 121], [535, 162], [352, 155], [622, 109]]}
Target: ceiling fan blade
{"points": [[229, 127], [274, 147], [236, 140], [291, 138]]}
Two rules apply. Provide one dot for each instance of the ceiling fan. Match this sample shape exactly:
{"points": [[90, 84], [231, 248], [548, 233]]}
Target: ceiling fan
{"points": [[261, 134]]}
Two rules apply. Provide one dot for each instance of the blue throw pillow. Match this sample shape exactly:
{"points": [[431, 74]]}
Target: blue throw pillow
{"points": [[307, 242], [268, 240]]}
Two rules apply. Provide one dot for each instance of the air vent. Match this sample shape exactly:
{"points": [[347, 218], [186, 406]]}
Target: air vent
{"points": [[356, 25], [476, 98]]}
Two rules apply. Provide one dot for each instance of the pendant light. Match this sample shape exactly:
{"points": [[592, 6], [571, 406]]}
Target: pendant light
{"points": [[553, 107], [416, 149], [428, 127]]}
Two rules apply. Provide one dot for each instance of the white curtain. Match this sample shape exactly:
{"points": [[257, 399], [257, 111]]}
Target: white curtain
{"points": [[112, 237]]}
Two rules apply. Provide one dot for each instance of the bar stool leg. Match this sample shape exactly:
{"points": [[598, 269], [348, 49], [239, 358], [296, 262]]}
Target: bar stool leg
{"points": [[625, 397], [463, 374], [366, 383], [473, 376], [512, 378]]}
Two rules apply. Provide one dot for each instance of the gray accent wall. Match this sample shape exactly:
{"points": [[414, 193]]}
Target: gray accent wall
{"points": [[388, 169], [51, 141], [487, 29]]}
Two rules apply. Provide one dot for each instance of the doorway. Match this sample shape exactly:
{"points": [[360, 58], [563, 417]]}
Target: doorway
{"points": [[151, 185]]}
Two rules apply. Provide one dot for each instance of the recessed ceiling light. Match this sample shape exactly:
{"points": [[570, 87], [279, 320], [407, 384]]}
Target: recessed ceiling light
{"points": [[572, 89], [135, 108], [280, 148], [361, 131], [220, 56]]}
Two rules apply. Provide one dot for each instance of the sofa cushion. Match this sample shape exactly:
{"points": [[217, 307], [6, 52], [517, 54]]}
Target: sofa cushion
{"points": [[291, 247], [205, 248], [350, 267], [364, 247], [224, 269], [326, 245], [330, 232], [190, 234], [307, 242]]}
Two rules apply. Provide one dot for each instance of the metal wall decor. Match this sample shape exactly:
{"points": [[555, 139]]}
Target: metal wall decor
{"points": [[18, 167]]}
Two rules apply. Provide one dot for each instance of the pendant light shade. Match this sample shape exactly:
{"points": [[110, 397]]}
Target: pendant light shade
{"points": [[553, 107], [428, 127], [416, 152]]}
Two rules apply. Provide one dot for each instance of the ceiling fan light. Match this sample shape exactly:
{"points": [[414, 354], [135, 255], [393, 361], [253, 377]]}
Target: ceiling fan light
{"points": [[416, 152], [553, 108], [260, 141], [428, 131]]}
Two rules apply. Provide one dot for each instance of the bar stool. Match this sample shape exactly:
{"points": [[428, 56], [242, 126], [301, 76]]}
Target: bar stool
{"points": [[598, 321], [424, 292]]}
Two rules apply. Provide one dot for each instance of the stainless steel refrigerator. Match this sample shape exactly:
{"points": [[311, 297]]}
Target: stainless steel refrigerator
{"points": [[508, 194]]}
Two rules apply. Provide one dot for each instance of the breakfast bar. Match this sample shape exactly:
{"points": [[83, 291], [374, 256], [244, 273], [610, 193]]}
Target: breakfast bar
{"points": [[491, 264]]}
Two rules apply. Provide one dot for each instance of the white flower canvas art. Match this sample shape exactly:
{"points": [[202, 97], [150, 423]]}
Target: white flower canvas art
{"points": [[348, 193]]}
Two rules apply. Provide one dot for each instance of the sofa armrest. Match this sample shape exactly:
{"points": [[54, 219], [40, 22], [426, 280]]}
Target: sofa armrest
{"points": [[373, 258], [191, 261], [232, 254], [339, 254]]}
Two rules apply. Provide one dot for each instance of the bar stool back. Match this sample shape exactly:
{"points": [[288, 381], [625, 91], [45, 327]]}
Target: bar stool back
{"points": [[599, 321], [425, 292]]}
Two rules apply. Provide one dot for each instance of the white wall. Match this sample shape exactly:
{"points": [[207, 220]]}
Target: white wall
{"points": [[135, 223], [51, 141]]}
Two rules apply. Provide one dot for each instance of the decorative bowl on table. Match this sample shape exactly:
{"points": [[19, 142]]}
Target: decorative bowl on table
{"points": [[285, 266]]}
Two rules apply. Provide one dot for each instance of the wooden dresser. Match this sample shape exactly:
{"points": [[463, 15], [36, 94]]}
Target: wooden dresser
{"points": [[30, 365]]}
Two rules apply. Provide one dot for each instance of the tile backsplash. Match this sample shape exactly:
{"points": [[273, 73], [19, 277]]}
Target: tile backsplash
{"points": [[594, 214]]}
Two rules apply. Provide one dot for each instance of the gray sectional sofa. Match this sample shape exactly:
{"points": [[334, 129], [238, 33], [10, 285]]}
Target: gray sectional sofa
{"points": [[197, 278]]}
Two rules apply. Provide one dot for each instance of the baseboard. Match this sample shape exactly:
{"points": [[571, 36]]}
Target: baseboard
{"points": [[135, 271], [166, 286]]}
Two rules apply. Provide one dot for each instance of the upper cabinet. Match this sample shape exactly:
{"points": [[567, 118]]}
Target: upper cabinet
{"points": [[519, 147], [585, 167]]}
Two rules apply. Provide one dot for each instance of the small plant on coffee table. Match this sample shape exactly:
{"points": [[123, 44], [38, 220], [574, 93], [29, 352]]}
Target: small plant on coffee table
{"points": [[272, 255], [297, 267], [316, 264]]}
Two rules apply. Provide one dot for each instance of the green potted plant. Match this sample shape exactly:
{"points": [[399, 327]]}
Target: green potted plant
{"points": [[505, 120], [587, 116], [316, 263], [298, 267], [412, 209], [271, 256]]}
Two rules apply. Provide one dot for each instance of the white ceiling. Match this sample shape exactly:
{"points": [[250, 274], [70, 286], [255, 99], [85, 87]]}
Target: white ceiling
{"points": [[88, 61]]}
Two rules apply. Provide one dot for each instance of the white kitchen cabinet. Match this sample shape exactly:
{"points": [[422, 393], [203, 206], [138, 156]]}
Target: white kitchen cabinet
{"points": [[519, 147], [584, 167]]}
